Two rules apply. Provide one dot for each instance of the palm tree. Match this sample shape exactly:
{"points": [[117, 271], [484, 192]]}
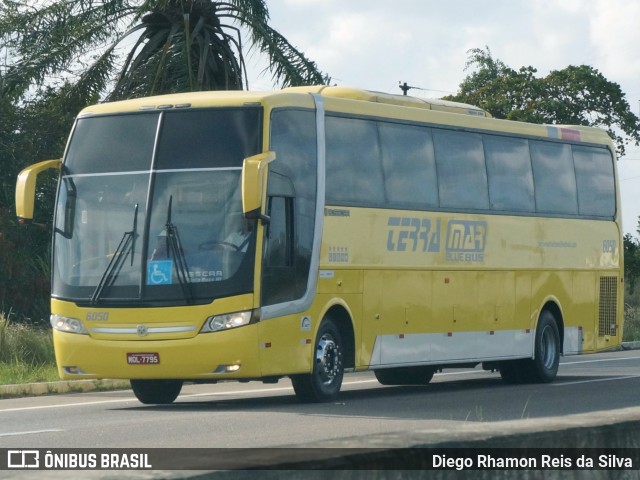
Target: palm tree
{"points": [[132, 48]]}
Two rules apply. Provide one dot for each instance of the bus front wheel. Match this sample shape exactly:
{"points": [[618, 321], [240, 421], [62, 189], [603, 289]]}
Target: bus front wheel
{"points": [[158, 392], [324, 382]]}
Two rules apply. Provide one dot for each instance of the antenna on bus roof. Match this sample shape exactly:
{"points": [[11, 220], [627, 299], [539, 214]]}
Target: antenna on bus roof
{"points": [[405, 88]]}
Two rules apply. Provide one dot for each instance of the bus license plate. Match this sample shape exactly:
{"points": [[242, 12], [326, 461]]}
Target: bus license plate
{"points": [[143, 358]]}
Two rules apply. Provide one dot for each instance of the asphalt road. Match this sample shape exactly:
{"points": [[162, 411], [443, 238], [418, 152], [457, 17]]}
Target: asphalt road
{"points": [[257, 415]]}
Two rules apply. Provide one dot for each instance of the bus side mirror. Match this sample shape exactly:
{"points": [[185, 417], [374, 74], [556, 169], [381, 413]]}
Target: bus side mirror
{"points": [[26, 188], [254, 184]]}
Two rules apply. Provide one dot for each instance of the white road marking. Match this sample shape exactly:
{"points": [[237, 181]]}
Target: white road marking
{"points": [[608, 379], [218, 394], [64, 405], [32, 432], [601, 360]]}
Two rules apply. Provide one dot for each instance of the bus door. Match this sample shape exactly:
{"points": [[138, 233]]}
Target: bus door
{"points": [[291, 241]]}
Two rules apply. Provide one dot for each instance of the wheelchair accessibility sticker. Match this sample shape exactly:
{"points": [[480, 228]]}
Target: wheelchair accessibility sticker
{"points": [[159, 272]]}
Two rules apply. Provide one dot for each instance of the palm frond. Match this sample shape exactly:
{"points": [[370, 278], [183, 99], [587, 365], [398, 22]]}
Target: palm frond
{"points": [[169, 46], [49, 40]]}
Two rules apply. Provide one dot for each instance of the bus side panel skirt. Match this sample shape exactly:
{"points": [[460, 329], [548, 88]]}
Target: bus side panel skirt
{"points": [[451, 347]]}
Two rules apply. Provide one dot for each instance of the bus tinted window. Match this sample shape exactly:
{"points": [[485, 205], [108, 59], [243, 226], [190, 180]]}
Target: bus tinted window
{"points": [[462, 175], [354, 169], [122, 143], [510, 176], [209, 138], [554, 176], [394, 165], [594, 177], [409, 166]]}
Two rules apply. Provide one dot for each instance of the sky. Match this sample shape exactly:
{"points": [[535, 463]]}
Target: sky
{"points": [[376, 44]]}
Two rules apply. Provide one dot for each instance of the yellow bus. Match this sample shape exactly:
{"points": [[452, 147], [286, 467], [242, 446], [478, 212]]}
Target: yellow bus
{"points": [[314, 231]]}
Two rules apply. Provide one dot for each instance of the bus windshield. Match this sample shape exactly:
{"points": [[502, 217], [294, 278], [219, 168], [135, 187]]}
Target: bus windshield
{"points": [[149, 208]]}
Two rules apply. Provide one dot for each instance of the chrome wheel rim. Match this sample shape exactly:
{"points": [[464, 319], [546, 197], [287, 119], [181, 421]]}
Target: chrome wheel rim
{"points": [[328, 359], [548, 350]]}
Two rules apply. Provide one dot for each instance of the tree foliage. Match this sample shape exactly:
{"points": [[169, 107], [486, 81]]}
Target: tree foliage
{"points": [[631, 262], [31, 131], [575, 95], [132, 48]]}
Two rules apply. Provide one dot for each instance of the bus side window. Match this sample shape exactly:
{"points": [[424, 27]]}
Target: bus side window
{"points": [[279, 251], [278, 283]]}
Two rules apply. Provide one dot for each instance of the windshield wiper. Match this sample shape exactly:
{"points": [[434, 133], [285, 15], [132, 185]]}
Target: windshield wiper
{"points": [[175, 247], [127, 245]]}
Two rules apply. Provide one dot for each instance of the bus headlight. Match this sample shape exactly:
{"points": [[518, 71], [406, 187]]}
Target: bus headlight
{"points": [[216, 323], [68, 324]]}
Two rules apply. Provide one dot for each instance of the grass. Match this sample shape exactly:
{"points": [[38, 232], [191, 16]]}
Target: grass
{"points": [[631, 323], [26, 354], [16, 374], [631, 314]]}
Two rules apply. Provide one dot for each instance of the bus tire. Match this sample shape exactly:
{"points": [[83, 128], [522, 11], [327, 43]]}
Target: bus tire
{"points": [[324, 382], [158, 392], [543, 368], [404, 376]]}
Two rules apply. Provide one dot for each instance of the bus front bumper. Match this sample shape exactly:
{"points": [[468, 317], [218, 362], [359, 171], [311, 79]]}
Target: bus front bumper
{"points": [[232, 354]]}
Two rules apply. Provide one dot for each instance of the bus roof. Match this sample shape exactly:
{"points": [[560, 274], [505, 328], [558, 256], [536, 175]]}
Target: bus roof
{"points": [[239, 97], [391, 99], [465, 115]]}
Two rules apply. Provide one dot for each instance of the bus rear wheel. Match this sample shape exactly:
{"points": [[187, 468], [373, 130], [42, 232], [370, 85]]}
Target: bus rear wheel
{"points": [[404, 376], [543, 367], [325, 380], [158, 392]]}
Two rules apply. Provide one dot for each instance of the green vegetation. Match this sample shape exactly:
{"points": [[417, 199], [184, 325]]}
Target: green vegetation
{"points": [[26, 353], [140, 48], [20, 373], [575, 95], [631, 291], [631, 323]]}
